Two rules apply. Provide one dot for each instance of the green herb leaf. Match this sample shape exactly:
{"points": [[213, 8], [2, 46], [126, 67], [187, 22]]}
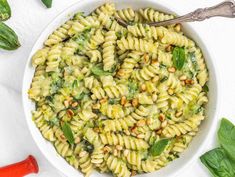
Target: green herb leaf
{"points": [[226, 135], [205, 88], [8, 38], [132, 88], [5, 10], [68, 132], [179, 57], [218, 163], [113, 100], [158, 147], [192, 57], [47, 3], [98, 71]]}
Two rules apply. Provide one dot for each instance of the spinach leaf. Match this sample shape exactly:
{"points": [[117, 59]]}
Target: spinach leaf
{"points": [[98, 71], [226, 135], [218, 163], [205, 88], [47, 3], [179, 57], [158, 147], [192, 57], [132, 88], [114, 100], [68, 132]]}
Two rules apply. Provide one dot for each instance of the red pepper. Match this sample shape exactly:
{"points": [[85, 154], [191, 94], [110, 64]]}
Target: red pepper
{"points": [[20, 169]]}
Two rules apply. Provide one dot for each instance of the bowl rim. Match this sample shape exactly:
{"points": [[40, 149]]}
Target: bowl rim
{"points": [[67, 11]]}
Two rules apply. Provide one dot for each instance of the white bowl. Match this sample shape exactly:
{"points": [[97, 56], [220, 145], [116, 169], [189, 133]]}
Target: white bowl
{"points": [[207, 128]]}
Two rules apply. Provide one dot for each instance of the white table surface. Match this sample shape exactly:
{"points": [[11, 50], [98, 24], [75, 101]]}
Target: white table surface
{"points": [[30, 18]]}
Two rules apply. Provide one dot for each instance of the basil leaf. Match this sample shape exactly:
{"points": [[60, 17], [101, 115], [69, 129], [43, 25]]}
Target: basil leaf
{"points": [[179, 57], [98, 71], [205, 88], [68, 132], [218, 163], [158, 147], [5, 10], [47, 3], [226, 135]]}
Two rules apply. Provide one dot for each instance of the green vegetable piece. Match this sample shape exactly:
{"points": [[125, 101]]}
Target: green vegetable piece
{"points": [[179, 57], [5, 10], [98, 71], [158, 147], [205, 88], [218, 163], [133, 88], [8, 38], [68, 132], [226, 135], [47, 3]]}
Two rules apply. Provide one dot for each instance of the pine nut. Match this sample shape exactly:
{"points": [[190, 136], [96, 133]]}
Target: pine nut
{"points": [[183, 77], [141, 123], [178, 114], [164, 123], [143, 87], [170, 91], [171, 69], [135, 102], [82, 154], [119, 147], [162, 117], [123, 100]]}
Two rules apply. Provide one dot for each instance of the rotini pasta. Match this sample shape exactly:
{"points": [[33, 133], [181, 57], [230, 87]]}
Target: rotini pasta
{"points": [[106, 94]]}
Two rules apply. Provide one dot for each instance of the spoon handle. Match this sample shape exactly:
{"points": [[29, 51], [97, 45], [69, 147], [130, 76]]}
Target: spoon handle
{"points": [[224, 9]]}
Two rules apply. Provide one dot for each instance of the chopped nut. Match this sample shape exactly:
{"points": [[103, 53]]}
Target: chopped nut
{"points": [[77, 140], [70, 112], [115, 152], [170, 91], [178, 114], [159, 132], [154, 62], [183, 77], [189, 82], [96, 106], [134, 129], [127, 104], [107, 149], [169, 48], [123, 100], [66, 103], [119, 147], [135, 102], [155, 79], [143, 87], [74, 104], [182, 83], [103, 100], [141, 123], [82, 154], [178, 28], [96, 129], [146, 58], [140, 136], [133, 173], [126, 152], [171, 69], [162, 117], [164, 123]]}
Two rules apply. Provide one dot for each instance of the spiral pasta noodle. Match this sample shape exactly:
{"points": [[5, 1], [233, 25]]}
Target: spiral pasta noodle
{"points": [[105, 94]]}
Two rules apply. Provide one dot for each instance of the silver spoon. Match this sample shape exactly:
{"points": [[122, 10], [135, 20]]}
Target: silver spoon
{"points": [[224, 9]]}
